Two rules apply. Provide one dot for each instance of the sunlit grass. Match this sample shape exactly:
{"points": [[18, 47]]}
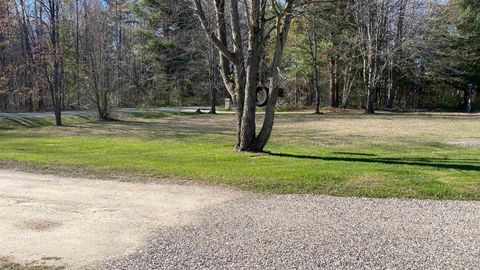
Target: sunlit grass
{"points": [[350, 154]]}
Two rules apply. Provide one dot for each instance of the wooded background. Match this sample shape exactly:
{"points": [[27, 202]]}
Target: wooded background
{"points": [[371, 54]]}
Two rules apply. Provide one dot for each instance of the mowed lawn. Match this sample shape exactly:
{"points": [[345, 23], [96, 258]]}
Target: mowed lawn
{"points": [[430, 155]]}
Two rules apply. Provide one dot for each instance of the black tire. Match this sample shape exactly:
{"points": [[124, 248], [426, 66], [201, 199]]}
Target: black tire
{"points": [[262, 96]]}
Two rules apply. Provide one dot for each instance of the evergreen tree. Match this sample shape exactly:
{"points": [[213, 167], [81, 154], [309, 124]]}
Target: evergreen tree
{"points": [[170, 43]]}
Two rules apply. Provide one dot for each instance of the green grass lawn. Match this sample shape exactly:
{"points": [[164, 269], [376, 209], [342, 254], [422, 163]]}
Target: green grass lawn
{"points": [[433, 156]]}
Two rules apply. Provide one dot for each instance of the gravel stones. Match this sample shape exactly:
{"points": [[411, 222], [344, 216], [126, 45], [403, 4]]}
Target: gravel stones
{"points": [[318, 232]]}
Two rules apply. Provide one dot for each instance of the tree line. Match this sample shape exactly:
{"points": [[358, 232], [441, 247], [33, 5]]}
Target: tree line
{"points": [[388, 54], [371, 54], [84, 54]]}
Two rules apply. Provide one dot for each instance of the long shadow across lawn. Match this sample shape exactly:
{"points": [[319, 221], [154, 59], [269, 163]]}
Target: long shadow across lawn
{"points": [[415, 162], [29, 122]]}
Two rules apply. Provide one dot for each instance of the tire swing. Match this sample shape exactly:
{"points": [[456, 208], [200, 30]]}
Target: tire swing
{"points": [[262, 96]]}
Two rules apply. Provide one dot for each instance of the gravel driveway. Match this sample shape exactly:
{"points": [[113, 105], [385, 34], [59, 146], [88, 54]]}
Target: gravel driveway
{"points": [[58, 221], [112, 225], [319, 232]]}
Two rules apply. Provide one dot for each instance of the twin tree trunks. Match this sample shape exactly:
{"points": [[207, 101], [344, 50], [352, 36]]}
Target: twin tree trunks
{"points": [[240, 66]]}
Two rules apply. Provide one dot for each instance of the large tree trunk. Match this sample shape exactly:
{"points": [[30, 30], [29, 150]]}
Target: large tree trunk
{"points": [[242, 82], [283, 27], [255, 54]]}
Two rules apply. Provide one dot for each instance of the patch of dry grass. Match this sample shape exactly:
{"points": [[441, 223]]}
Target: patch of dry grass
{"points": [[5, 264]]}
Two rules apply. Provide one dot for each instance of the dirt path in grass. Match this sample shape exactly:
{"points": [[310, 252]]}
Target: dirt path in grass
{"points": [[57, 221]]}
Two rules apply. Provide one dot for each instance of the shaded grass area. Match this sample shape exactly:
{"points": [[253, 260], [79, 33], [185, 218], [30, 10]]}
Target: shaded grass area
{"points": [[35, 122], [347, 154]]}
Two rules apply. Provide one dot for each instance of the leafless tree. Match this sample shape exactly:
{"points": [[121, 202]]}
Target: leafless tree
{"points": [[240, 65]]}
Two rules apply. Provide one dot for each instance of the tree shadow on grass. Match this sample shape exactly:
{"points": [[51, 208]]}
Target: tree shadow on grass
{"points": [[424, 162], [180, 129], [35, 122], [355, 154], [29, 122]]}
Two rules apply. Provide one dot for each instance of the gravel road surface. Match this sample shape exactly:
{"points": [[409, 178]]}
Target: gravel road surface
{"points": [[319, 232], [89, 224]]}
